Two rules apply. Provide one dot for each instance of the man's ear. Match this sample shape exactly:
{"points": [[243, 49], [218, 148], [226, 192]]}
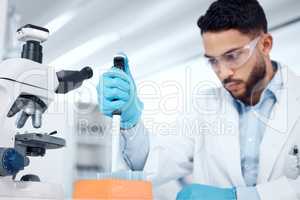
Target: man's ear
{"points": [[266, 44]]}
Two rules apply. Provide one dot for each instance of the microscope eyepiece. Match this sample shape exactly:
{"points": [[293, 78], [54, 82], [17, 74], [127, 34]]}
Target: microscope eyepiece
{"points": [[70, 80], [33, 36]]}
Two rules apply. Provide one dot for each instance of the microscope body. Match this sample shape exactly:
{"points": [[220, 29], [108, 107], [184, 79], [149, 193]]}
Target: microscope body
{"points": [[27, 87]]}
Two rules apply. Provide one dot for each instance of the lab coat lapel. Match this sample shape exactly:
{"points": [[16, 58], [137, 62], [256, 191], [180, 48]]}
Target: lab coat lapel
{"points": [[278, 126]]}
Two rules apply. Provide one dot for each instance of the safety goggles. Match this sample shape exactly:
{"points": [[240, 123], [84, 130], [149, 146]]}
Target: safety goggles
{"points": [[233, 59]]}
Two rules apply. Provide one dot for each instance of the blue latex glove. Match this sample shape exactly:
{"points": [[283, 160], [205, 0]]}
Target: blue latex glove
{"points": [[205, 192], [117, 91]]}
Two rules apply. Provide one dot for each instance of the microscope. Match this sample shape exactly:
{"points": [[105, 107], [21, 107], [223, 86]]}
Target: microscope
{"points": [[27, 87]]}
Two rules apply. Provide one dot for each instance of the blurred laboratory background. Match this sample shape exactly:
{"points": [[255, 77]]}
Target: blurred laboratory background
{"points": [[164, 47]]}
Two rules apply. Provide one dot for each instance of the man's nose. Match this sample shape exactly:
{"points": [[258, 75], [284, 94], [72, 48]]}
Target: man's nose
{"points": [[225, 72]]}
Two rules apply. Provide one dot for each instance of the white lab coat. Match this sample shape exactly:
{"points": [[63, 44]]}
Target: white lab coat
{"points": [[208, 145]]}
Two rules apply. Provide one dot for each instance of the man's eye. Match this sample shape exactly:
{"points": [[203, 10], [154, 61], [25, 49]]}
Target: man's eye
{"points": [[212, 61], [232, 56]]}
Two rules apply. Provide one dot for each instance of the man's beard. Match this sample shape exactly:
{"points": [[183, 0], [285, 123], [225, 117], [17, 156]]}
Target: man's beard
{"points": [[252, 85]]}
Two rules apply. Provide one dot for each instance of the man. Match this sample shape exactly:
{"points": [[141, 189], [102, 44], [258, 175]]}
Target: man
{"points": [[255, 155]]}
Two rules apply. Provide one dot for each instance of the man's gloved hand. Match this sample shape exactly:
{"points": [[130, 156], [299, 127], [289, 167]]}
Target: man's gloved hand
{"points": [[205, 192], [117, 91]]}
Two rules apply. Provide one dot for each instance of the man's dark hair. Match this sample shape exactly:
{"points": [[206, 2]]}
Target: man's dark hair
{"points": [[246, 16]]}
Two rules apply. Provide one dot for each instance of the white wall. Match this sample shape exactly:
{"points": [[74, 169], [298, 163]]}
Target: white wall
{"points": [[287, 46]]}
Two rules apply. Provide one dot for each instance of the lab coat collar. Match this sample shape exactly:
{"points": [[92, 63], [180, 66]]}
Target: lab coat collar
{"points": [[276, 83]]}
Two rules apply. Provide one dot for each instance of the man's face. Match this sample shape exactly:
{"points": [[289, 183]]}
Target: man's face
{"points": [[241, 81]]}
